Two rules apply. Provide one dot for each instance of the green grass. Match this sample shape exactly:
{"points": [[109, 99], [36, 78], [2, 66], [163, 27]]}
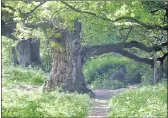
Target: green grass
{"points": [[31, 76], [19, 103], [148, 101]]}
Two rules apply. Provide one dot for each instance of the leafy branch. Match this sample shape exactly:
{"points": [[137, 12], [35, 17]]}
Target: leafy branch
{"points": [[86, 12], [148, 26], [28, 14]]}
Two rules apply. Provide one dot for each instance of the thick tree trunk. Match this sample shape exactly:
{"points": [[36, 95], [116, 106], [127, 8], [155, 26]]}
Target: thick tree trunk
{"points": [[67, 67], [29, 52]]}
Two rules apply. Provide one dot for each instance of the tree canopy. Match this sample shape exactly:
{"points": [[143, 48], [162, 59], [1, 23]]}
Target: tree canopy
{"points": [[130, 24], [77, 46]]}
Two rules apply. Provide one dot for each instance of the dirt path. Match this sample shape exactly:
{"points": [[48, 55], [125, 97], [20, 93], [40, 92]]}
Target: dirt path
{"points": [[100, 106]]}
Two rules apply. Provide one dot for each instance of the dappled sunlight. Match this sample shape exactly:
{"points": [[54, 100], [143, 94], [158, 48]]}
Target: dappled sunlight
{"points": [[93, 59], [100, 107]]}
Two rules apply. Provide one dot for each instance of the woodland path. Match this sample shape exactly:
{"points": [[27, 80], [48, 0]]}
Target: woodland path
{"points": [[100, 107]]}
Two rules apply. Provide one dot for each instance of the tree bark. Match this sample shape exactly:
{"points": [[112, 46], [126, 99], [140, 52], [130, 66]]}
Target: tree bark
{"points": [[29, 52], [68, 58], [89, 51], [67, 68], [8, 27]]}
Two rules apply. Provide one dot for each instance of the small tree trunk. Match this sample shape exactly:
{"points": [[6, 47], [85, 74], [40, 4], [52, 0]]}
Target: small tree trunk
{"points": [[35, 52], [155, 69], [67, 66], [165, 69], [160, 71], [29, 52], [14, 56]]}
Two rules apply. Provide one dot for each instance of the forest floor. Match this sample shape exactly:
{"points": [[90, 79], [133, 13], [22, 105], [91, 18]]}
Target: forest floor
{"points": [[100, 107]]}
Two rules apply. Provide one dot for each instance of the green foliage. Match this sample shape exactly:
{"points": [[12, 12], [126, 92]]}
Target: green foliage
{"points": [[107, 84], [47, 60], [95, 30], [19, 103], [148, 101], [25, 75], [45, 50], [58, 46], [158, 15], [98, 70], [104, 63], [147, 77], [6, 51], [136, 72]]}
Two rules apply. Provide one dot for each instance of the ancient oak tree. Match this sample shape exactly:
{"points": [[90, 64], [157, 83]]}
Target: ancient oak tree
{"points": [[68, 54]]}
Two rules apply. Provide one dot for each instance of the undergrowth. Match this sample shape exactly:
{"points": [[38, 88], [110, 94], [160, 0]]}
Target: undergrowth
{"points": [[98, 71], [33, 76], [19, 103], [148, 101]]}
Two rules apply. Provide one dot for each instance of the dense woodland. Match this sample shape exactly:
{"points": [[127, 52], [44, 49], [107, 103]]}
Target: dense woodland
{"points": [[59, 56]]}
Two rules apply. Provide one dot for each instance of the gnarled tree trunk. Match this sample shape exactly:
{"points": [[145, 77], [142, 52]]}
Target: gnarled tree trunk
{"points": [[67, 66], [29, 52]]}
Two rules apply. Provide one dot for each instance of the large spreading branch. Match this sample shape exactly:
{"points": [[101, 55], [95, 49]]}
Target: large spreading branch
{"points": [[89, 51], [100, 49], [136, 58], [132, 19]]}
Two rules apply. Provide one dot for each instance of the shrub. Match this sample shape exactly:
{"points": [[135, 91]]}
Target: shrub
{"points": [[98, 66], [19, 103], [135, 71], [103, 66], [148, 101]]}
